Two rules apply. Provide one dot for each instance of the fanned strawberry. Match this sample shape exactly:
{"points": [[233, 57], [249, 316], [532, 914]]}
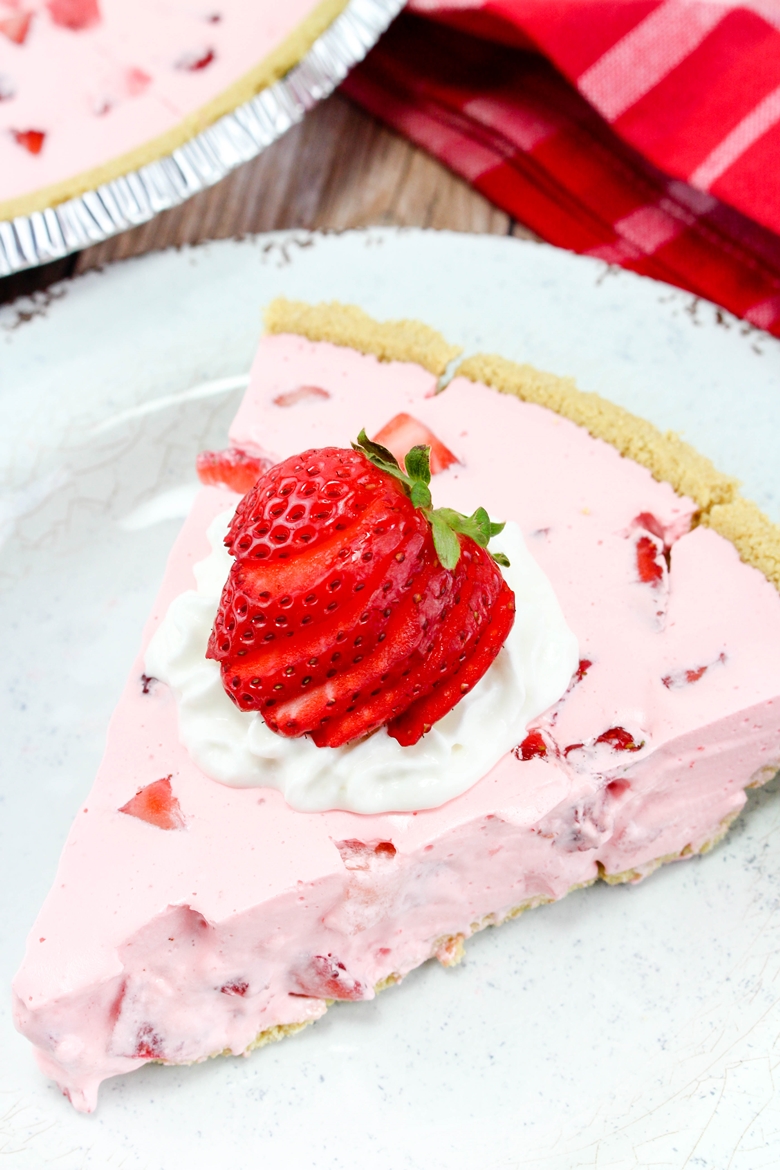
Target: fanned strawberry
{"points": [[351, 598]]}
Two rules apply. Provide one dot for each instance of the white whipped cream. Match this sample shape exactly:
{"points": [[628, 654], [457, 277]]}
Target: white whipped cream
{"points": [[374, 775]]}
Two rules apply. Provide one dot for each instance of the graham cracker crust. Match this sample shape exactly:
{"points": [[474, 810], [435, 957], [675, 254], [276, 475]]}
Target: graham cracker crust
{"points": [[348, 325]]}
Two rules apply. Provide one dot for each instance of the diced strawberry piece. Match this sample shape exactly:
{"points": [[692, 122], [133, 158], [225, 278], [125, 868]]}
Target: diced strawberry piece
{"points": [[649, 562], [148, 1045], [74, 14], [136, 81], [194, 61], [404, 432], [409, 727], [326, 977], [582, 669], [650, 523], [301, 394], [31, 140], [683, 678], [16, 26], [233, 468], [532, 746], [156, 805], [235, 987], [620, 740]]}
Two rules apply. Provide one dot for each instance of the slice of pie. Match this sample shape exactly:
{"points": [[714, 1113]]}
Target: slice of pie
{"points": [[93, 89], [197, 912]]}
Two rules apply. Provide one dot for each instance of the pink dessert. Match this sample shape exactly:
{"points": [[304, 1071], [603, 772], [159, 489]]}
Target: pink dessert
{"points": [[84, 82], [223, 918]]}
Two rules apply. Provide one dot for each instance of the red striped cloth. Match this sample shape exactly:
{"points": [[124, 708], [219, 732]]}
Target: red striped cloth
{"points": [[664, 159]]}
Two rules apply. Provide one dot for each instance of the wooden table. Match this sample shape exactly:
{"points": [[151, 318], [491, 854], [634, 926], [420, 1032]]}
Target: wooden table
{"points": [[339, 168]]}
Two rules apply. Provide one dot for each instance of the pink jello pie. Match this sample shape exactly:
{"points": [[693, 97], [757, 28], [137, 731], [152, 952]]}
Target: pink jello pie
{"points": [[223, 883], [93, 89]]}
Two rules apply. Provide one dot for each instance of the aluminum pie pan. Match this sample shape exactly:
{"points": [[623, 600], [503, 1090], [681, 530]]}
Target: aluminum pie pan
{"points": [[235, 138]]}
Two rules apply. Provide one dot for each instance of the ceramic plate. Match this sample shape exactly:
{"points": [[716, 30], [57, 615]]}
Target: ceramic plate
{"points": [[621, 1027]]}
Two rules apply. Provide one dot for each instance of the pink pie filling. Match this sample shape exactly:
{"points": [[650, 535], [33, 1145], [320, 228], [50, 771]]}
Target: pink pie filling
{"points": [[191, 918], [91, 81]]}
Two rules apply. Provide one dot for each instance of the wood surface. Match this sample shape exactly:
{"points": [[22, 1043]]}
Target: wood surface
{"points": [[337, 169]]}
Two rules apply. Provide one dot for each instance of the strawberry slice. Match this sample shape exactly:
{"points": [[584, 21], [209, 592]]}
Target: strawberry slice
{"points": [[233, 468], [391, 679], [303, 640], [74, 14], [351, 597], [16, 26], [156, 805], [450, 640], [420, 716], [404, 432]]}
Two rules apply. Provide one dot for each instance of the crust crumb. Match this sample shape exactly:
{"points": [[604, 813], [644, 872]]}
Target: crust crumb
{"points": [[390, 341], [450, 950], [271, 1035], [389, 981]]}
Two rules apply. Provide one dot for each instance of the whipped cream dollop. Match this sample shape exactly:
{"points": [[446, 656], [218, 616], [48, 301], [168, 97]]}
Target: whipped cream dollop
{"points": [[377, 774]]}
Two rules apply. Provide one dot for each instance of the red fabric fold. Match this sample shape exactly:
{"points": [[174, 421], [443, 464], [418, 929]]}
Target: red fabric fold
{"points": [[507, 121]]}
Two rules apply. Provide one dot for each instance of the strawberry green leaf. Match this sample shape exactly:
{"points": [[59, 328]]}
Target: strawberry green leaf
{"points": [[420, 494], [476, 526], [501, 559], [418, 464], [445, 541]]}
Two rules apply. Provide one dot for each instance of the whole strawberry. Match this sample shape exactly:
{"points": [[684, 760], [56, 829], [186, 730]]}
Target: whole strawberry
{"points": [[352, 603]]}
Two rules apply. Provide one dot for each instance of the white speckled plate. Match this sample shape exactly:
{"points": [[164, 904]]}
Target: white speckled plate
{"points": [[620, 1028]]}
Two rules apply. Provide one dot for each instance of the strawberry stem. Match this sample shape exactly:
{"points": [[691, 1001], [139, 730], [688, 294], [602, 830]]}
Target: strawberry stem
{"points": [[446, 524]]}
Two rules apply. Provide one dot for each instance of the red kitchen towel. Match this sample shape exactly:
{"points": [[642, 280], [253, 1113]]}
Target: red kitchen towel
{"points": [[664, 159]]}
